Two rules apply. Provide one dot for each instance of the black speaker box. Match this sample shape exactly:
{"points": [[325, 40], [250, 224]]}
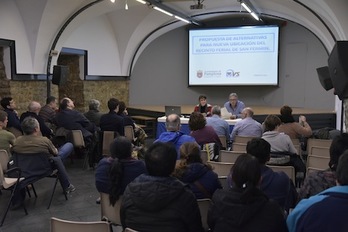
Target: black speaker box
{"points": [[338, 68], [60, 74], [324, 77]]}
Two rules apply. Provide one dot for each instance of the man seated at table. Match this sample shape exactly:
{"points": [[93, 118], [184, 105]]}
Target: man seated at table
{"points": [[173, 134], [220, 126], [234, 106]]}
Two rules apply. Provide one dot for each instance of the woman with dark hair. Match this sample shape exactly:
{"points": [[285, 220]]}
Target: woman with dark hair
{"points": [[190, 170], [122, 111], [245, 207], [203, 107], [114, 173]]}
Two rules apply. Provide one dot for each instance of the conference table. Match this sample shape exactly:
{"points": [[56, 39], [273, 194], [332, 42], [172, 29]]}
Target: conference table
{"points": [[161, 125]]}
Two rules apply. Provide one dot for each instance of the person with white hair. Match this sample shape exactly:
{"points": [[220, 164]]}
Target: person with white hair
{"points": [[234, 106]]}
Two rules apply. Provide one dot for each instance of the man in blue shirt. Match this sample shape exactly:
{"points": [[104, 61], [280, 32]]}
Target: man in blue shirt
{"points": [[234, 106], [220, 126], [247, 127], [326, 211]]}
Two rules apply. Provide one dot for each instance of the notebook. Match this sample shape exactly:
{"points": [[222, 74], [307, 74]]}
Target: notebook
{"points": [[225, 114], [172, 110]]}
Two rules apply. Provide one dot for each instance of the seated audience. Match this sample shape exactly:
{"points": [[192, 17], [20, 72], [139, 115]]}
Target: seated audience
{"points": [[200, 177], [234, 106], [157, 202], [276, 185], [248, 126], [292, 128], [173, 134], [7, 139], [244, 207], [122, 111], [203, 107], [202, 133], [48, 111], [325, 211], [93, 114], [114, 173], [220, 126], [112, 121], [33, 111], [9, 106], [317, 181]]}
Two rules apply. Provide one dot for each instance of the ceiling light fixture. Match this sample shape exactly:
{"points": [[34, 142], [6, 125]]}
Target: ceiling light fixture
{"points": [[126, 6], [182, 19], [141, 1], [246, 4], [163, 11], [113, 1]]}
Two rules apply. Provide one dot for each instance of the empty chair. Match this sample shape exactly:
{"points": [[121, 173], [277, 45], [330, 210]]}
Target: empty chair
{"points": [[108, 212], [129, 133], [229, 156], [60, 225], [289, 170], [318, 162], [317, 143], [320, 151], [221, 168], [241, 147], [204, 205], [242, 139]]}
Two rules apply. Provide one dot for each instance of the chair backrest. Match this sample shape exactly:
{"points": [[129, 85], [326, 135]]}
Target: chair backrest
{"points": [[242, 139], [295, 142], [289, 170], [77, 138], [318, 162], [4, 158], [129, 230], [203, 205], [239, 147], [317, 143], [298, 149], [109, 212], [59, 225], [320, 151], [204, 156], [15, 131], [108, 137], [224, 183], [221, 168], [129, 133], [223, 141], [229, 156]]}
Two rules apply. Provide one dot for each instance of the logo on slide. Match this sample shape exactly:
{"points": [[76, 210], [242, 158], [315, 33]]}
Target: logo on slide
{"points": [[199, 73], [231, 73]]}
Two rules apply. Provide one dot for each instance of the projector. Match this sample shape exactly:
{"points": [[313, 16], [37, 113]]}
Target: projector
{"points": [[197, 6]]}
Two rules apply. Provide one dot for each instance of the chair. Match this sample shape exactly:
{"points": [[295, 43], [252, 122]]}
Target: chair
{"points": [[317, 143], [229, 156], [320, 151], [34, 167], [129, 230], [8, 183], [15, 131], [224, 183], [318, 162], [223, 141], [129, 133], [108, 212], [221, 168], [289, 170], [60, 225], [241, 147], [79, 142], [108, 137], [242, 139], [204, 156], [203, 205], [296, 142]]}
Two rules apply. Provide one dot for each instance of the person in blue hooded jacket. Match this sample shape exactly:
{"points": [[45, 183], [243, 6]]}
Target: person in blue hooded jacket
{"points": [[173, 134], [190, 170]]}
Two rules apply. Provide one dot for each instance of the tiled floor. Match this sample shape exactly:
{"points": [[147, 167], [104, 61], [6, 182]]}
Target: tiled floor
{"points": [[80, 205]]}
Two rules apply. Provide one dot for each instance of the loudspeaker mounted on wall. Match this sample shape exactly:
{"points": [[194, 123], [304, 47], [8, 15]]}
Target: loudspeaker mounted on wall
{"points": [[60, 74], [324, 77], [338, 68]]}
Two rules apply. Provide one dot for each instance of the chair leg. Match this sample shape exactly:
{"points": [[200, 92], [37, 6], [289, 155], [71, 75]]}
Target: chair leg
{"points": [[9, 204], [54, 189], [28, 191], [33, 188]]}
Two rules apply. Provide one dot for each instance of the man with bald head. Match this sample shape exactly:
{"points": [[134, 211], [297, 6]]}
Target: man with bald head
{"points": [[173, 134], [247, 126], [33, 111]]}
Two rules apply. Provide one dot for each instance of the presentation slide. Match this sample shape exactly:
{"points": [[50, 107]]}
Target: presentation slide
{"points": [[234, 56]]}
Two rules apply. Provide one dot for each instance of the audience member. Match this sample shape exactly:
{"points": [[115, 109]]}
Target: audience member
{"points": [[292, 128], [244, 207], [317, 181], [173, 134], [122, 111], [276, 185], [157, 202], [248, 126], [203, 107], [7, 139], [33, 111], [202, 133], [114, 173], [200, 177], [93, 114], [325, 211], [48, 111], [220, 126], [33, 142], [234, 106], [9, 106], [112, 121]]}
